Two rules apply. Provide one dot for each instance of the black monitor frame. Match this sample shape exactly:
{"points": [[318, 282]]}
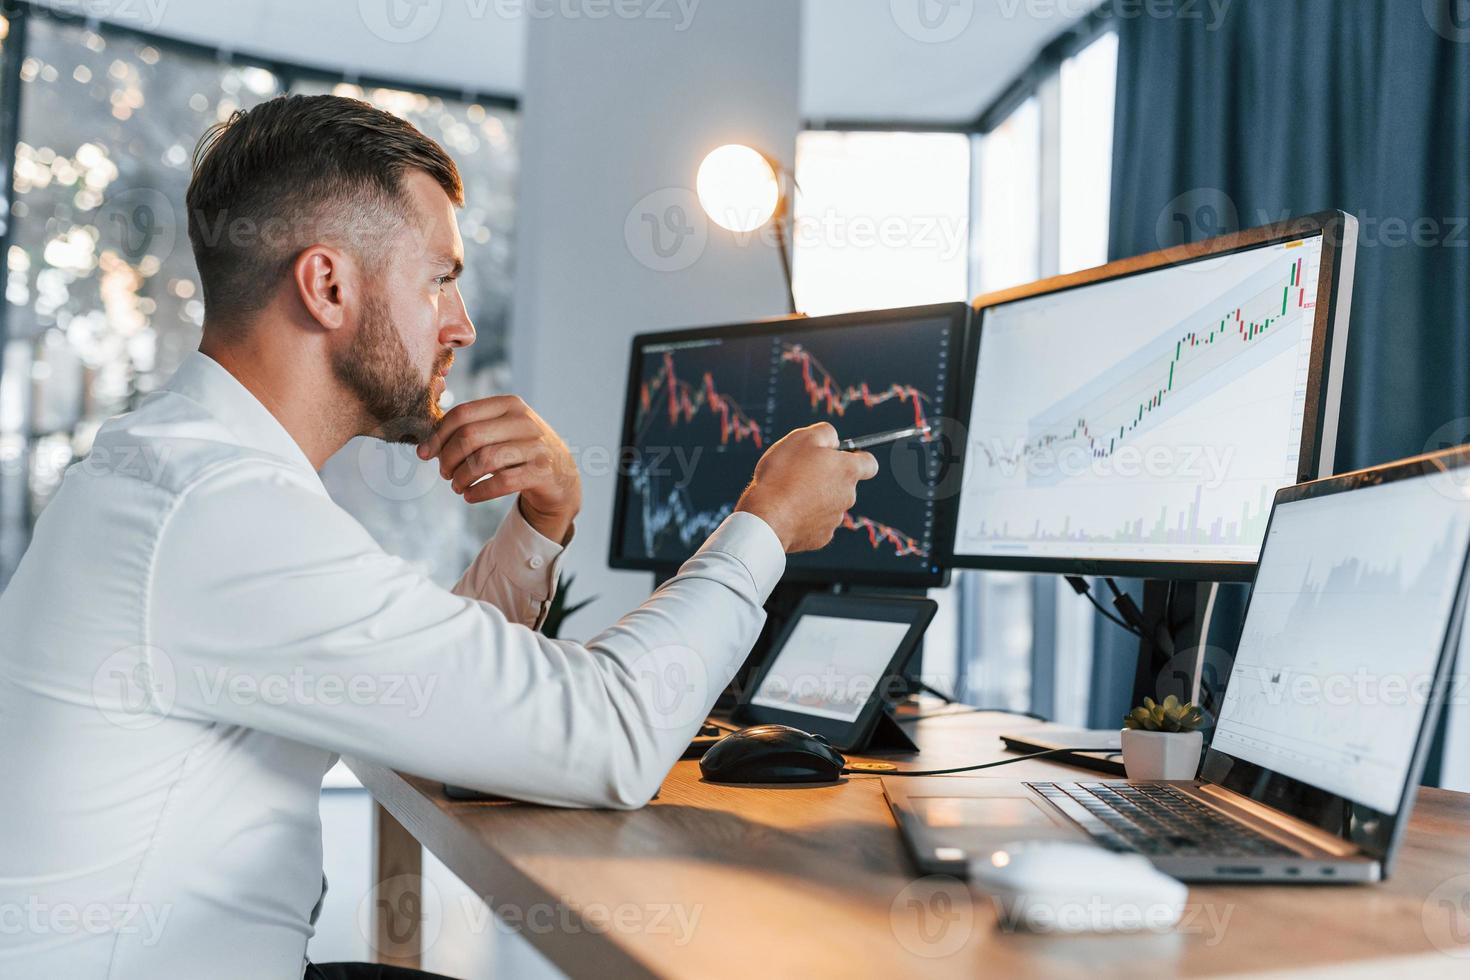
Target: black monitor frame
{"points": [[1376, 833], [854, 735], [938, 573], [1324, 382]]}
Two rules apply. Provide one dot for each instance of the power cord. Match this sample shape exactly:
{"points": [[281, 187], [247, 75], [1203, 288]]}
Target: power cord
{"points": [[1079, 585], [1166, 638], [984, 765], [1130, 617], [951, 700], [968, 709], [946, 698], [1127, 608]]}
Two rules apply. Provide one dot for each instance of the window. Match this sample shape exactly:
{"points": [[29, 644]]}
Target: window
{"points": [[1044, 179], [882, 220], [1086, 154], [1085, 148], [1033, 193], [102, 298], [1008, 215], [997, 626]]}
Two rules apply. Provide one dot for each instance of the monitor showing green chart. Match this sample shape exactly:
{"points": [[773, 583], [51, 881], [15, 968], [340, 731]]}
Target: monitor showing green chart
{"points": [[1140, 418]]}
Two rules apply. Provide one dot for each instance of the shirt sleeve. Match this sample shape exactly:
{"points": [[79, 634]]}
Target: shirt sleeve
{"points": [[516, 571], [270, 608]]}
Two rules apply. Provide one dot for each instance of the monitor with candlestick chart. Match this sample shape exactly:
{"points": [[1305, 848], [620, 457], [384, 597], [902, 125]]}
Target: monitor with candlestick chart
{"points": [[704, 404], [1138, 419]]}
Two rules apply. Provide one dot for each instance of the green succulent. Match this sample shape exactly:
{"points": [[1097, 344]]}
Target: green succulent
{"points": [[1171, 716]]}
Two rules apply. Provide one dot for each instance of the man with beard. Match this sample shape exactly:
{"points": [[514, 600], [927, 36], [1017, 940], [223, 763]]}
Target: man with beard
{"points": [[197, 630]]}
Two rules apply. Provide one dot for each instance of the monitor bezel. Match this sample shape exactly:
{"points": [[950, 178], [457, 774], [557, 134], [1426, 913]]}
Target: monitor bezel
{"points": [[1324, 381], [846, 736], [937, 574], [1372, 831]]}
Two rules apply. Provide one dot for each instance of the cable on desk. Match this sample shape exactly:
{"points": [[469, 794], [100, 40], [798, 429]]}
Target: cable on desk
{"points": [[946, 698], [983, 765], [968, 710]]}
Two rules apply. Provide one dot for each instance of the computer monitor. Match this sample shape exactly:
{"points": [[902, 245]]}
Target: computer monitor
{"points": [[1353, 621], [703, 404], [1137, 419]]}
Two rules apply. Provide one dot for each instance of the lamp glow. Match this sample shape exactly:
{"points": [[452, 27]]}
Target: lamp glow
{"points": [[738, 188]]}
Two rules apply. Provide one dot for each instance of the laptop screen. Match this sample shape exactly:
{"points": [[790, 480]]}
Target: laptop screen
{"points": [[1343, 637]]}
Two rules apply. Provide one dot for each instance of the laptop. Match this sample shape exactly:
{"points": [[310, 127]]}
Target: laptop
{"points": [[1349, 637]]}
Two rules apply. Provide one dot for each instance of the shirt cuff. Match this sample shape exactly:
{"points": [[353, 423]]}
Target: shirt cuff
{"points": [[525, 557], [750, 541]]}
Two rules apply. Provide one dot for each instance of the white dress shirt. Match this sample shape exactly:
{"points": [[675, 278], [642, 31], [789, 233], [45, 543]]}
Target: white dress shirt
{"points": [[197, 630]]}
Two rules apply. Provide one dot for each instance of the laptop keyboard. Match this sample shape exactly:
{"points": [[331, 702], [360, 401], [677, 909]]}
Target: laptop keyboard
{"points": [[1154, 819]]}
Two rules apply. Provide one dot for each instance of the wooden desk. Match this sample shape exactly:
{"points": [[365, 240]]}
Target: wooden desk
{"points": [[713, 880]]}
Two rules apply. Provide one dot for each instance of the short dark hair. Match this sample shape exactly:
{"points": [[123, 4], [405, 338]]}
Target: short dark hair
{"points": [[292, 171]]}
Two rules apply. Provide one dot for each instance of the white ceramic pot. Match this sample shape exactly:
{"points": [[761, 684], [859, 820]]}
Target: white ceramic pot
{"points": [[1161, 755]]}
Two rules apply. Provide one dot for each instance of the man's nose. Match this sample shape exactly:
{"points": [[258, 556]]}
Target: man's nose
{"points": [[457, 331]]}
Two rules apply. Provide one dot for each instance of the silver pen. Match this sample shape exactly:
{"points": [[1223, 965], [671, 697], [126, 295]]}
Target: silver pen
{"points": [[882, 438]]}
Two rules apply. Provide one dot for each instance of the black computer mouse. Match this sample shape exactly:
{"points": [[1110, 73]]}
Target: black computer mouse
{"points": [[772, 754]]}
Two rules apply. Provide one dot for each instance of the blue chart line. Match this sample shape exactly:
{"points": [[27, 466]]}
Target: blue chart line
{"points": [[673, 511]]}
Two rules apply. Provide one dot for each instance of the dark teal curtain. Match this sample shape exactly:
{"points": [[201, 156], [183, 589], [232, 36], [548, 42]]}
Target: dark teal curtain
{"points": [[1276, 108]]}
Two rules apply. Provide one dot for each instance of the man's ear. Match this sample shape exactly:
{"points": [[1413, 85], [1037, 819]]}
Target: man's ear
{"points": [[324, 279]]}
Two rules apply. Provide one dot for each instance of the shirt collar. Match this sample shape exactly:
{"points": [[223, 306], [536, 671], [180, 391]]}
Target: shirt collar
{"points": [[202, 379]]}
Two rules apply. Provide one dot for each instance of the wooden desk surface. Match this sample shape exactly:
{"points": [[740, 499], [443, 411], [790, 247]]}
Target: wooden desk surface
{"points": [[710, 880]]}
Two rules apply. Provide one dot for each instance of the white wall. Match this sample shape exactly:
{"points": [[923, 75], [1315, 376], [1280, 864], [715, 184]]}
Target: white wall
{"points": [[617, 116]]}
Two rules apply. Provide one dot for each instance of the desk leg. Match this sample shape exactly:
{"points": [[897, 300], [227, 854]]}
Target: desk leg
{"points": [[398, 903]]}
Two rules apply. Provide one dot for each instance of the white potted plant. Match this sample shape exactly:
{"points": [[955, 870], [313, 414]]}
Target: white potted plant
{"points": [[1163, 741]]}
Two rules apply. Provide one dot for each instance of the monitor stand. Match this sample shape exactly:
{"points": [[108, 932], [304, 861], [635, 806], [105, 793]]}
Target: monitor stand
{"points": [[1174, 656], [886, 735]]}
